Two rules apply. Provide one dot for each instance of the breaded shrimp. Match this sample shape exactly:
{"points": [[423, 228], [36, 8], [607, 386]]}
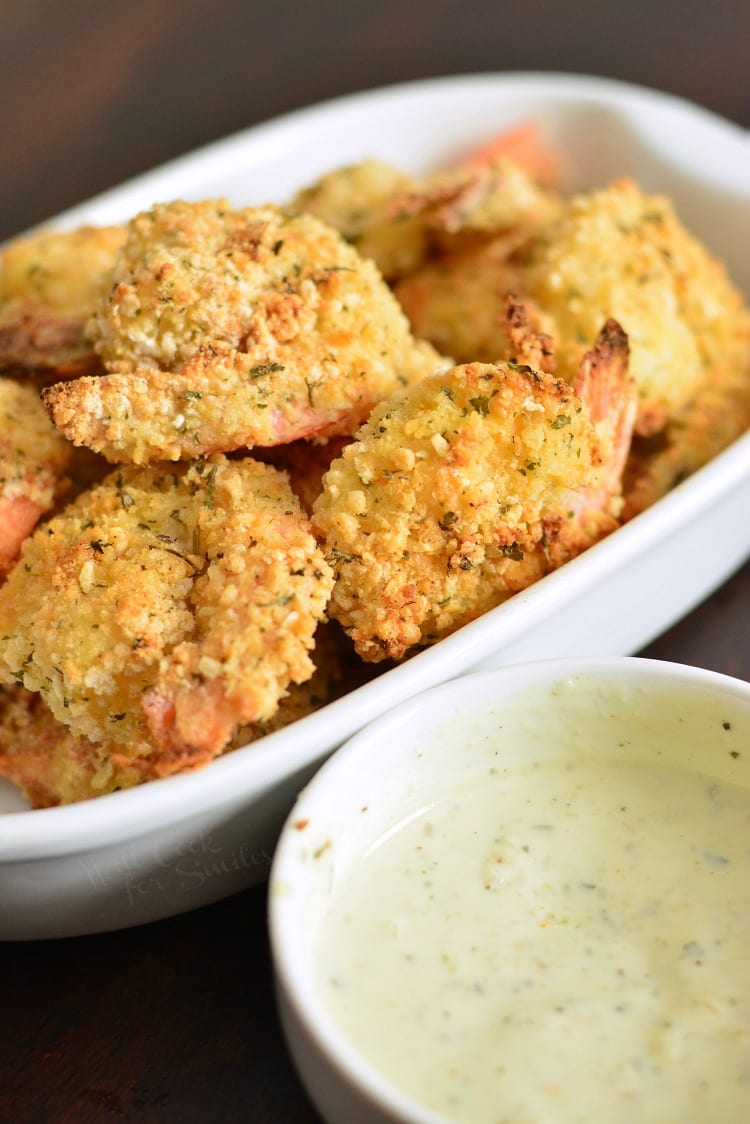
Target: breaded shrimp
{"points": [[162, 609], [228, 329], [467, 488], [444, 213], [349, 198], [624, 254], [49, 284], [51, 765], [718, 413], [33, 460], [302, 698]]}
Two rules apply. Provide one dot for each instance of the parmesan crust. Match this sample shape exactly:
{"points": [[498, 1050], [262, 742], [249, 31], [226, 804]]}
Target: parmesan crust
{"points": [[164, 608], [53, 766], [454, 496], [33, 461], [49, 285], [228, 329], [401, 223], [622, 253]]}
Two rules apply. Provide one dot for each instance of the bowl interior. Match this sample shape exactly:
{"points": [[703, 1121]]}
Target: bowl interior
{"points": [[453, 735]]}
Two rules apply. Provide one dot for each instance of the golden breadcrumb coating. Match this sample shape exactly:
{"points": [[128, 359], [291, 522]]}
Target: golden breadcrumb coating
{"points": [[228, 329], [302, 698], [49, 284], [33, 460], [51, 765], [400, 230], [622, 253], [348, 198], [165, 607], [463, 490], [718, 414], [33, 455]]}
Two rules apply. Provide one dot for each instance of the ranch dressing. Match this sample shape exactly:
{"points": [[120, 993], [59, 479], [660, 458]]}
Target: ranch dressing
{"points": [[566, 940]]}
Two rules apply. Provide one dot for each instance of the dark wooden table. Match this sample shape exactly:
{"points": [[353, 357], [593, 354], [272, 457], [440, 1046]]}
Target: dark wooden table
{"points": [[175, 1021]]}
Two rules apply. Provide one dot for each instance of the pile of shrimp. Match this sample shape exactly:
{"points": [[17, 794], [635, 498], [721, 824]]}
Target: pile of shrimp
{"points": [[247, 453]]}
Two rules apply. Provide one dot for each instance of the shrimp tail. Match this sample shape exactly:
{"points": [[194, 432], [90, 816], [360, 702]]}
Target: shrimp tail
{"points": [[528, 345], [524, 146], [605, 385]]}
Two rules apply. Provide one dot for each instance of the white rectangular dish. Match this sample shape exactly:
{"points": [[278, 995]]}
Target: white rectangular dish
{"points": [[176, 844]]}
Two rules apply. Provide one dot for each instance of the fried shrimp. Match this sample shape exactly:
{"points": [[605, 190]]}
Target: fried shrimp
{"points": [[163, 609], [302, 698], [624, 254], [33, 460], [717, 414], [467, 488], [228, 329], [448, 212], [51, 765], [349, 198], [49, 284], [616, 252]]}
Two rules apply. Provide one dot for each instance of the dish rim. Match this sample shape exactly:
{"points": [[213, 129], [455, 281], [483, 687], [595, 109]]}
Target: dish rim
{"points": [[588, 86], [116, 816]]}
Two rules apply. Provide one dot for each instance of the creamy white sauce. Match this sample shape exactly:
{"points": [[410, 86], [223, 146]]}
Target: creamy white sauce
{"points": [[567, 940]]}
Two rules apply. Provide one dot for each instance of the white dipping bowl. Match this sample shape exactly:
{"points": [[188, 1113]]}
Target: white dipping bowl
{"points": [[418, 754]]}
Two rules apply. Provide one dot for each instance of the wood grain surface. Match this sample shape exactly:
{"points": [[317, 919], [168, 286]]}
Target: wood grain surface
{"points": [[175, 1021]]}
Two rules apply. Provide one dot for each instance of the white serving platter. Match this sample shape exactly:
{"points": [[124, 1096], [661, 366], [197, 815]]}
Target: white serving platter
{"points": [[176, 844]]}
